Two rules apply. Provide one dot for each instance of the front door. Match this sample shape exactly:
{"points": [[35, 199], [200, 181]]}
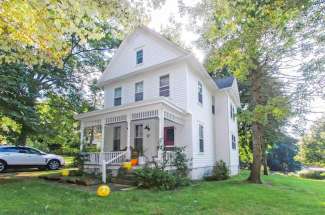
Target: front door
{"points": [[138, 140], [117, 138], [169, 136]]}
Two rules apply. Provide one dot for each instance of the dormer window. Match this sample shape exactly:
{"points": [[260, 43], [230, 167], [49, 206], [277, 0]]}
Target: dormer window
{"points": [[139, 56]]}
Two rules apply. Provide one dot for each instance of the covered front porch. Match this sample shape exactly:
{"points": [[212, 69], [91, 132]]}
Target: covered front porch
{"points": [[145, 131]]}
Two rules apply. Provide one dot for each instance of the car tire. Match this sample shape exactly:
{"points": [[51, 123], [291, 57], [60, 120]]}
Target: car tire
{"points": [[3, 166], [53, 165]]}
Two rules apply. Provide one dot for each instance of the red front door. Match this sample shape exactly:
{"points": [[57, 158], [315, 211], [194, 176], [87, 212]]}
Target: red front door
{"points": [[169, 136]]}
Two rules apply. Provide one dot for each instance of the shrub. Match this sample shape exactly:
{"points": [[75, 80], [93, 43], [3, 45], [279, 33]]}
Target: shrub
{"points": [[180, 162], [312, 174], [153, 177], [157, 176], [220, 172]]}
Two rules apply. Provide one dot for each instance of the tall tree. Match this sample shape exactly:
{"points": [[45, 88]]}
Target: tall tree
{"points": [[249, 38], [75, 52], [38, 32], [312, 145]]}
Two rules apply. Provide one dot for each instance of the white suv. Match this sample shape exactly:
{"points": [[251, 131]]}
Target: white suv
{"points": [[19, 156]]}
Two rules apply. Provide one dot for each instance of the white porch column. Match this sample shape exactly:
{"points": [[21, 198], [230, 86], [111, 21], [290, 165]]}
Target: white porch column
{"points": [[103, 134], [160, 134], [81, 136], [128, 137]]}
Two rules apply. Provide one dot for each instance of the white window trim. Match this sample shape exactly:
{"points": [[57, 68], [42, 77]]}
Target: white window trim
{"points": [[135, 90], [135, 51], [114, 96], [169, 85], [198, 84], [199, 138], [236, 145]]}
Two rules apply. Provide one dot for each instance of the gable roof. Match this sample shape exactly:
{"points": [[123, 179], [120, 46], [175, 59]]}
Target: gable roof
{"points": [[149, 32], [224, 82]]}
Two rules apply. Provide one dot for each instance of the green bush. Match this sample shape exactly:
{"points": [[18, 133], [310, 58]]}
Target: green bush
{"points": [[220, 172], [158, 177], [148, 177], [180, 162], [312, 174]]}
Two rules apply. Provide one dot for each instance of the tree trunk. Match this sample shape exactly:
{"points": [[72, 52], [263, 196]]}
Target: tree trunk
{"points": [[265, 171], [21, 141], [256, 80], [255, 174]]}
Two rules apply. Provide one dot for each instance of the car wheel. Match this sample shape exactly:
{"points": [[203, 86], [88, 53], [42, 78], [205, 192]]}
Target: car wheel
{"points": [[53, 164], [3, 166]]}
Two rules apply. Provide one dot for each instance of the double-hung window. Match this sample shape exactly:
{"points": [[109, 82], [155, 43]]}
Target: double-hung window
{"points": [[117, 138], [138, 91], [201, 138], [200, 92], [232, 112], [233, 141], [118, 96], [139, 56], [164, 86], [213, 105]]}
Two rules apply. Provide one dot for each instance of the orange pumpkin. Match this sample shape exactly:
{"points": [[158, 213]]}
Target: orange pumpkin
{"points": [[134, 162]]}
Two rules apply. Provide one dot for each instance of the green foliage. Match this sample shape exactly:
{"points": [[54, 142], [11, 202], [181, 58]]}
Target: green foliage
{"points": [[38, 32], [148, 177], [8, 130], [220, 172], [156, 175], [312, 145], [312, 174], [281, 156], [180, 162], [60, 128], [249, 39]]}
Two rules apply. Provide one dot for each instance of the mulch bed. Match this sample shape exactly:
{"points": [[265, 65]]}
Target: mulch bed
{"points": [[79, 180]]}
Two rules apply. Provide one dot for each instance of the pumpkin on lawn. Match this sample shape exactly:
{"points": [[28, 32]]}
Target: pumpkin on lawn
{"points": [[65, 172], [103, 191]]}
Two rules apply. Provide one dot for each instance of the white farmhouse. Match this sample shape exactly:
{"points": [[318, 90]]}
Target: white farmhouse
{"points": [[157, 94]]}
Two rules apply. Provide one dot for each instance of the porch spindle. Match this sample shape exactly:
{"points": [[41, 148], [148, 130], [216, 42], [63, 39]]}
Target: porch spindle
{"points": [[128, 137], [160, 134], [103, 135], [81, 135]]}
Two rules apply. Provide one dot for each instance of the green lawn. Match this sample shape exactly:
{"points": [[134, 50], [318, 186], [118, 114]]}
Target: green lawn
{"points": [[278, 195]]}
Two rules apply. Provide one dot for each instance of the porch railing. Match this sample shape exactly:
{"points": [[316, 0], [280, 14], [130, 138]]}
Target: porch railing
{"points": [[97, 158], [169, 157]]}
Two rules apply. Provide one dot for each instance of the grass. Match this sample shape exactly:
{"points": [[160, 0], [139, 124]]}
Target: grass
{"points": [[278, 195]]}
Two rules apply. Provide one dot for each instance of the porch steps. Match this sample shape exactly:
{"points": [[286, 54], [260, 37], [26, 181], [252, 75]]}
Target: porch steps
{"points": [[124, 177]]}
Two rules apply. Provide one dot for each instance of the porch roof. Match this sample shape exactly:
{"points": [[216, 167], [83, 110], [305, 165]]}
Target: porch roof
{"points": [[134, 105]]}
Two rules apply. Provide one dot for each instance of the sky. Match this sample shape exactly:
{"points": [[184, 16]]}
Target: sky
{"points": [[161, 18]]}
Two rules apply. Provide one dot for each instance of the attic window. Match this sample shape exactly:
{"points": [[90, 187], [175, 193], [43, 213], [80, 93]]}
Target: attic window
{"points": [[139, 56]]}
